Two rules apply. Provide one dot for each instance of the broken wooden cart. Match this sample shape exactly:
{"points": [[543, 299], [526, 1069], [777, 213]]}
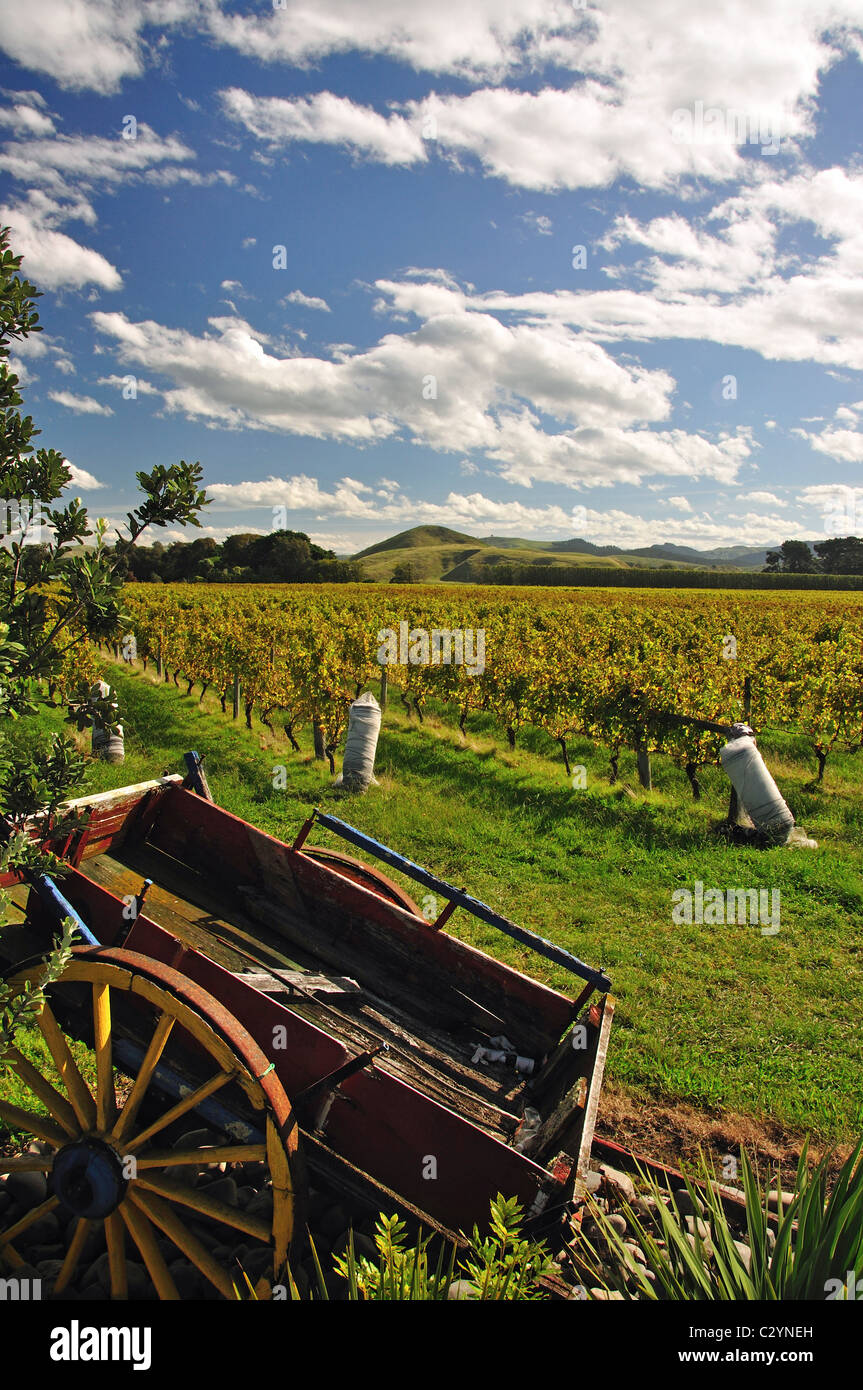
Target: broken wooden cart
{"points": [[296, 1003]]}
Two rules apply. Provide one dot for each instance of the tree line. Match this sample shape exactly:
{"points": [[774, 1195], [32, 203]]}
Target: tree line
{"points": [[843, 555], [278, 557]]}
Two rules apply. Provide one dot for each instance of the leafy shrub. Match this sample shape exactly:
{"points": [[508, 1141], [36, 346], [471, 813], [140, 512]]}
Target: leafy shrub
{"points": [[818, 1239]]}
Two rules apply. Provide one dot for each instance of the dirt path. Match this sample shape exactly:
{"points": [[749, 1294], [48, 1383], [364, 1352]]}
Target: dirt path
{"points": [[674, 1133]]}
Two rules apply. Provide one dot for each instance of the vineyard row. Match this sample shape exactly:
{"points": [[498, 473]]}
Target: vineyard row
{"points": [[612, 668]]}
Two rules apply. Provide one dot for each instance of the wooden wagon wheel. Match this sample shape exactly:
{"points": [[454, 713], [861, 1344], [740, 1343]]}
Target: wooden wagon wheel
{"points": [[106, 1166], [368, 875]]}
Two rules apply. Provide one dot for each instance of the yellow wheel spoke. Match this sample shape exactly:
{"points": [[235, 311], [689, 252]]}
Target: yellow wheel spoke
{"points": [[145, 1073], [197, 1199], [40, 1125], [73, 1254], [144, 1237], [35, 1214], [115, 1238], [79, 1094], [43, 1090], [161, 1005], [106, 1103], [283, 1195], [202, 1158], [182, 1107], [160, 1213], [27, 1163]]}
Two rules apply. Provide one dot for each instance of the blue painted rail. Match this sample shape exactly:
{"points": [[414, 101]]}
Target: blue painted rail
{"points": [[57, 904], [597, 978]]}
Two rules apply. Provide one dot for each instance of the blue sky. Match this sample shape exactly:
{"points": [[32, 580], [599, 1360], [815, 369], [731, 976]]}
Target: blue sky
{"points": [[329, 249]]}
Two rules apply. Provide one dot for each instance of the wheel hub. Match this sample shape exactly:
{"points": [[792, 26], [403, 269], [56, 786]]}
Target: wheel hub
{"points": [[88, 1178]]}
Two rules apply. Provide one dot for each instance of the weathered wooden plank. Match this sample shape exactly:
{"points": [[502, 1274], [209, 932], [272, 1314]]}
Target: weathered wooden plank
{"points": [[570, 1107], [294, 981], [113, 815], [105, 800], [387, 964], [420, 961], [191, 910], [592, 1107], [414, 1061]]}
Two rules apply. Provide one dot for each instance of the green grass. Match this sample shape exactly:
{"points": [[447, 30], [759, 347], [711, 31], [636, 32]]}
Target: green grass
{"points": [[32, 1045], [722, 1017]]}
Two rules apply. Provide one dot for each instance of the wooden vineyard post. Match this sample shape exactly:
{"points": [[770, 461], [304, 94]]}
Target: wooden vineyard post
{"points": [[320, 749], [236, 706], [383, 688], [643, 760], [159, 660]]}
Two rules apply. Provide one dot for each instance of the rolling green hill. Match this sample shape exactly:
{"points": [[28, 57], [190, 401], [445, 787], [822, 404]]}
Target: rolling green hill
{"points": [[435, 554]]}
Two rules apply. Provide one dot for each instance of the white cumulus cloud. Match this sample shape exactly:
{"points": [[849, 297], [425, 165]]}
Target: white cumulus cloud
{"points": [[82, 405]]}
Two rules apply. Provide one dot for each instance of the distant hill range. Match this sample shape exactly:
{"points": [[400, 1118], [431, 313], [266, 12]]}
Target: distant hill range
{"points": [[435, 554]]}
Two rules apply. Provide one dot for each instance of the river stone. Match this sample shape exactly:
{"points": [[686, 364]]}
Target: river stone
{"points": [[462, 1289], [617, 1223], [693, 1224], [621, 1184], [301, 1279], [187, 1279], [27, 1190], [223, 1190], [706, 1243], [46, 1231], [318, 1203], [93, 1246], [206, 1234], [745, 1253], [140, 1283], [333, 1221], [262, 1203], [196, 1139], [37, 1253], [98, 1272], [183, 1174], [256, 1263], [364, 1248], [323, 1245], [685, 1204], [250, 1174]]}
